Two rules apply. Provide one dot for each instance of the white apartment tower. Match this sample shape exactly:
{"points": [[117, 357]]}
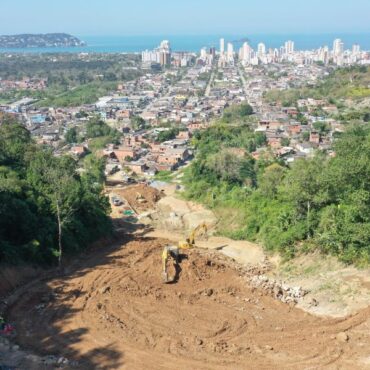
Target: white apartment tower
{"points": [[356, 49], [338, 47], [222, 46], [230, 52], [261, 50], [289, 47], [246, 52]]}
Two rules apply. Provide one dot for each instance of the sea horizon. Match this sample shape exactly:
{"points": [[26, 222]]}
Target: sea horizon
{"points": [[193, 43]]}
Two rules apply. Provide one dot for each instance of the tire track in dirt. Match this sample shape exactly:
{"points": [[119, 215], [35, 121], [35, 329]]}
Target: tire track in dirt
{"points": [[114, 312]]}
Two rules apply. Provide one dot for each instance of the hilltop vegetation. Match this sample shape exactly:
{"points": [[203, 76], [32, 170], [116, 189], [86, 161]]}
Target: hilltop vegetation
{"points": [[72, 80], [30, 40], [47, 207], [342, 83], [320, 203]]}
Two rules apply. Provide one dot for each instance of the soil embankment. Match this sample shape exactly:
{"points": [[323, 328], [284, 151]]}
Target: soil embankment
{"points": [[112, 310]]}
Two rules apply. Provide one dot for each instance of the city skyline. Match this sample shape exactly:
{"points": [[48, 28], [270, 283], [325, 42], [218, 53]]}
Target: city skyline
{"points": [[208, 17]]}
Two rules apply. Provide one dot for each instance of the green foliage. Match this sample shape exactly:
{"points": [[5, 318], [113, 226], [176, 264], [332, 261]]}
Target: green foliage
{"points": [[84, 94], [101, 134], [350, 82], [228, 136], [163, 176], [71, 135], [305, 136], [138, 123], [245, 110], [285, 141], [325, 200], [237, 114], [227, 166], [321, 127], [168, 134], [71, 80], [33, 183]]}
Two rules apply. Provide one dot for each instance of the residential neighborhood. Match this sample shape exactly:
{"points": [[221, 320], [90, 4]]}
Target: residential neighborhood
{"points": [[177, 94]]}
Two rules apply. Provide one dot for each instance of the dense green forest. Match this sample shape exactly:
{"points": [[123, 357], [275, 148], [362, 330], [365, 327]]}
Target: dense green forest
{"points": [[343, 83], [320, 203], [47, 207], [72, 80]]}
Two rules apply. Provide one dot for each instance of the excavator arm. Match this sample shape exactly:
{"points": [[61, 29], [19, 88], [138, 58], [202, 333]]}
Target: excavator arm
{"points": [[190, 241]]}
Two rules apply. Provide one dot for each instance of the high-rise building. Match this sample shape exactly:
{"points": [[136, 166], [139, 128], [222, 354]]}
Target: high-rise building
{"points": [[212, 51], [161, 55], [261, 50], [356, 49], [164, 58], [230, 52], [245, 53], [222, 46], [203, 53], [338, 47], [150, 56], [165, 45], [289, 47]]}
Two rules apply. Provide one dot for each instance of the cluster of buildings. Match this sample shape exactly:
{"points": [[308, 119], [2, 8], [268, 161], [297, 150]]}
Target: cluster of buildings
{"points": [[291, 132], [186, 97], [160, 55], [287, 53], [163, 56], [33, 84]]}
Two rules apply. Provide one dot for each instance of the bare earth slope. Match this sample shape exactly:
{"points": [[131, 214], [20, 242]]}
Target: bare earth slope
{"points": [[113, 312]]}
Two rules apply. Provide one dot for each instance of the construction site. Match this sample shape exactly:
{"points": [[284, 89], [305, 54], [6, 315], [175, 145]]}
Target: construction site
{"points": [[168, 293]]}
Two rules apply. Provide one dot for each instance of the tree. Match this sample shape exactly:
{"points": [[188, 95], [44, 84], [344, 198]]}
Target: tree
{"points": [[138, 123], [71, 135], [15, 141], [167, 135], [47, 208], [261, 139], [271, 179], [56, 178], [245, 109], [285, 141], [230, 167], [321, 127], [305, 136], [94, 169], [62, 203]]}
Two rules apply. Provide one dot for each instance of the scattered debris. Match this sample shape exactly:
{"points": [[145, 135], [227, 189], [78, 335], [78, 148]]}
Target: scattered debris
{"points": [[279, 290], [342, 337]]}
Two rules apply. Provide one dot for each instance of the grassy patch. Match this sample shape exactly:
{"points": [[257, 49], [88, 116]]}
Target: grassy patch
{"points": [[165, 176]]}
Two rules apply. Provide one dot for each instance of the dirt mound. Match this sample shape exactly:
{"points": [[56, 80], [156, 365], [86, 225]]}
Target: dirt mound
{"points": [[140, 197], [114, 312], [177, 214]]}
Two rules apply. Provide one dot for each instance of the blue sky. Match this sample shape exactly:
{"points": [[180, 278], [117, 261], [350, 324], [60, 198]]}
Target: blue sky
{"points": [[186, 17]]}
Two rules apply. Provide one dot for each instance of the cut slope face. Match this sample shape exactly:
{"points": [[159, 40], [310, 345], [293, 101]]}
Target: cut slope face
{"points": [[114, 312]]}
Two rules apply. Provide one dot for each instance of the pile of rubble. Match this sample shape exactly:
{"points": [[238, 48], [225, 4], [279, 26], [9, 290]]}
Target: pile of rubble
{"points": [[12, 357], [255, 276], [279, 290]]}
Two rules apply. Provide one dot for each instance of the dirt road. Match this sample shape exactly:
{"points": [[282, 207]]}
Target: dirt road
{"points": [[112, 311]]}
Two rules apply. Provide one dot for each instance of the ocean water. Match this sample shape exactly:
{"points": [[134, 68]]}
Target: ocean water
{"points": [[130, 44]]}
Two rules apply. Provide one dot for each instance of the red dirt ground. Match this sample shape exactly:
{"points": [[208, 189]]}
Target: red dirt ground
{"points": [[113, 312]]}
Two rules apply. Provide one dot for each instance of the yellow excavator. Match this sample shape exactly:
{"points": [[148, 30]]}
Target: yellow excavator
{"points": [[174, 251], [140, 198]]}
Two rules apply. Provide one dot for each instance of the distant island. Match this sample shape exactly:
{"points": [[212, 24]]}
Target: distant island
{"points": [[39, 40]]}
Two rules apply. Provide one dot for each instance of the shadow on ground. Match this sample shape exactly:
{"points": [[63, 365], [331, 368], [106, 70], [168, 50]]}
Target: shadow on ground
{"points": [[38, 309]]}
